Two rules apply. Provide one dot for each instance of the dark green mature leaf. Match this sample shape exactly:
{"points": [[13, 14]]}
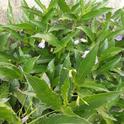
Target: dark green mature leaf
{"points": [[110, 64], [9, 71], [4, 90], [97, 100], [6, 113], [95, 13], [110, 52], [86, 64], [3, 39], [94, 85], [63, 6], [63, 119], [29, 64], [65, 69], [5, 57], [44, 93]]}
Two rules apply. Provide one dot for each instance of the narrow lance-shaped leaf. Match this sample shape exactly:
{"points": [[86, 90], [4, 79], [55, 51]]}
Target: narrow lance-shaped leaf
{"points": [[63, 119], [97, 100], [65, 91], [63, 6], [110, 52], [44, 93], [110, 64], [95, 13], [86, 64]]}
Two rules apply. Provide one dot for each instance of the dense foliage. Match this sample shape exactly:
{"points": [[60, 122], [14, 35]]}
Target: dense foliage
{"points": [[62, 65]]}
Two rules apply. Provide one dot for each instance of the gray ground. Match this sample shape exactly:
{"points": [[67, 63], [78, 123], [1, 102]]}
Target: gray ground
{"points": [[16, 7]]}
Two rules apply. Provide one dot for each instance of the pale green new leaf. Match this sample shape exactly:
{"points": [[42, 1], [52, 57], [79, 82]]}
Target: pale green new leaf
{"points": [[6, 113]]}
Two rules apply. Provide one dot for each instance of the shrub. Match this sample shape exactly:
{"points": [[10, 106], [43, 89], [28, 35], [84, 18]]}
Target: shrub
{"points": [[62, 64]]}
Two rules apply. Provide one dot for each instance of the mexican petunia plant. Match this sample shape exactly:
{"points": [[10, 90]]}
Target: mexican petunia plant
{"points": [[62, 64]]}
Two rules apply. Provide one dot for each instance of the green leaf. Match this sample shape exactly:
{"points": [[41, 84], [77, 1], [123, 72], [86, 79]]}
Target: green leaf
{"points": [[88, 32], [110, 64], [63, 119], [64, 72], [48, 16], [86, 64], [51, 69], [6, 113], [93, 85], [65, 91], [97, 100], [29, 64], [3, 40], [110, 52], [48, 37], [5, 57], [4, 90], [63, 6], [45, 93], [9, 71], [95, 13]]}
